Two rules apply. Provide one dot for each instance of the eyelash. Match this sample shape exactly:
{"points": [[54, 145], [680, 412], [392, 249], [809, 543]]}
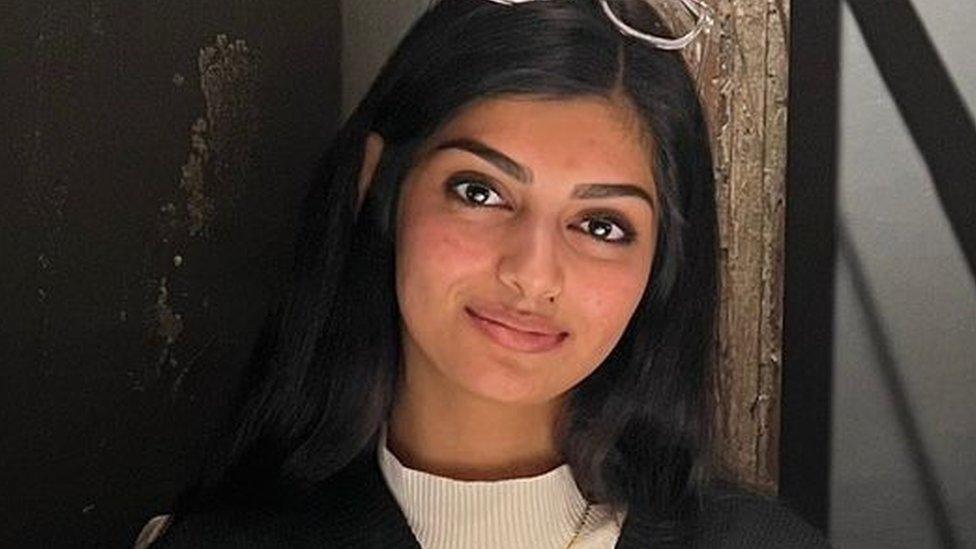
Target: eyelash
{"points": [[456, 182]]}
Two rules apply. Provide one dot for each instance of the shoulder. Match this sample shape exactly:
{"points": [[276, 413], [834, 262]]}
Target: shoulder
{"points": [[232, 527], [324, 517], [333, 512], [735, 518], [216, 528]]}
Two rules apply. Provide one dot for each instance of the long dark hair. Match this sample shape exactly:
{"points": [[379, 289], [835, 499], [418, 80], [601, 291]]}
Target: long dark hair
{"points": [[325, 369]]}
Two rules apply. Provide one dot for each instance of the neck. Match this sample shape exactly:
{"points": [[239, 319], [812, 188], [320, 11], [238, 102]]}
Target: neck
{"points": [[444, 430]]}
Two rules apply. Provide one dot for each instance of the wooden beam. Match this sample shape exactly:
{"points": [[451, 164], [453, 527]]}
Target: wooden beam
{"points": [[744, 85]]}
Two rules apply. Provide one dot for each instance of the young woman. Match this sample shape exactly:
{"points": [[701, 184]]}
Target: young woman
{"points": [[497, 329]]}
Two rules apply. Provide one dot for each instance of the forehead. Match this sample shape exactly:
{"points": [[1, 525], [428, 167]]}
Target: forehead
{"points": [[586, 135]]}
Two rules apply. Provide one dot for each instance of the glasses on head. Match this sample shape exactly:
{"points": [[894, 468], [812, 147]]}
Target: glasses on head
{"points": [[684, 32]]}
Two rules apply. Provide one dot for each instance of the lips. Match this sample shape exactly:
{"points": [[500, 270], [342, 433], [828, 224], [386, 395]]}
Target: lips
{"points": [[524, 323], [544, 337]]}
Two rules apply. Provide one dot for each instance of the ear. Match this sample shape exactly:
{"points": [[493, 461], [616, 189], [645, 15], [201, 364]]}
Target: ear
{"points": [[371, 157]]}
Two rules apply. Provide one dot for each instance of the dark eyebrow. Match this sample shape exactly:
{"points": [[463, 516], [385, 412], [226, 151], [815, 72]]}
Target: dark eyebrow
{"points": [[524, 175]]}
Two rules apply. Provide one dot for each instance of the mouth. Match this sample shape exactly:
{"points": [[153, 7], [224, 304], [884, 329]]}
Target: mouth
{"points": [[514, 338]]}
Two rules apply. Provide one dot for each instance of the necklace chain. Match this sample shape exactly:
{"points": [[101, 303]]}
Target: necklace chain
{"points": [[579, 527]]}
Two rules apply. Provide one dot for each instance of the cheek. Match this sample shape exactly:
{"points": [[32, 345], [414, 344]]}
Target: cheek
{"points": [[609, 298], [434, 257]]}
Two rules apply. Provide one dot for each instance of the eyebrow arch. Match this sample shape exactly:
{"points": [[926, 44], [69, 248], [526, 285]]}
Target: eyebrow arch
{"points": [[524, 175]]}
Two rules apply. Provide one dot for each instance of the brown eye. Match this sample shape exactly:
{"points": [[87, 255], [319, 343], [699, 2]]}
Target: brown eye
{"points": [[608, 229], [474, 192]]}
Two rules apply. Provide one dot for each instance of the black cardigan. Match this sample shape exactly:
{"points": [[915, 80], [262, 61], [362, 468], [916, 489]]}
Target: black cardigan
{"points": [[355, 509]]}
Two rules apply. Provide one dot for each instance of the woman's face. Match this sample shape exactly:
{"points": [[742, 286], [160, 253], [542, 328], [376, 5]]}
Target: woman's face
{"points": [[513, 202]]}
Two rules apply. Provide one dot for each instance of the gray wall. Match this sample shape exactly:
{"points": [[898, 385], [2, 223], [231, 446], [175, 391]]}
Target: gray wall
{"points": [[371, 29], [904, 413]]}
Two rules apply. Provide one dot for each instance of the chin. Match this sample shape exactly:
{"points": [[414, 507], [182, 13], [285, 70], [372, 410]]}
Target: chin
{"points": [[493, 380]]}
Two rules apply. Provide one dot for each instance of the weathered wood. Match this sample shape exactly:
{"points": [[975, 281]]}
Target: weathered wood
{"points": [[744, 84]]}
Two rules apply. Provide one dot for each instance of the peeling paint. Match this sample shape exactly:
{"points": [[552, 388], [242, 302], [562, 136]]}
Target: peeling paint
{"points": [[199, 208], [169, 324], [200, 215], [229, 81], [221, 143]]}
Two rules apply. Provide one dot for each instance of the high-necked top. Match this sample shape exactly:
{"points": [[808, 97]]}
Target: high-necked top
{"points": [[537, 512]]}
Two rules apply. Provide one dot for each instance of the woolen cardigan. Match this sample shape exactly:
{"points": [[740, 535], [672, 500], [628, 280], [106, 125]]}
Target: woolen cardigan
{"points": [[354, 508]]}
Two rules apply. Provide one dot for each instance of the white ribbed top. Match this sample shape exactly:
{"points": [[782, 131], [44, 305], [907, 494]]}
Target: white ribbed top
{"points": [[537, 512]]}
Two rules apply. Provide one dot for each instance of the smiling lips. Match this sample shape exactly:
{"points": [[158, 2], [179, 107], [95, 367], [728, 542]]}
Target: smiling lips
{"points": [[543, 337]]}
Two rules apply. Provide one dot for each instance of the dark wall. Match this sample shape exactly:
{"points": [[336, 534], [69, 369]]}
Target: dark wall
{"points": [[153, 156]]}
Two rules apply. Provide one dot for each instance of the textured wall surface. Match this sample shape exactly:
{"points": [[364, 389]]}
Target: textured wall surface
{"points": [[153, 156], [744, 82]]}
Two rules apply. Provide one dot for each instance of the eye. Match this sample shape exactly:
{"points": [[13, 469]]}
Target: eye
{"points": [[476, 192], [608, 228]]}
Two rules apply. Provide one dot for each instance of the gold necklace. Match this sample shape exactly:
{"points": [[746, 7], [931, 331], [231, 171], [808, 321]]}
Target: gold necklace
{"points": [[579, 527]]}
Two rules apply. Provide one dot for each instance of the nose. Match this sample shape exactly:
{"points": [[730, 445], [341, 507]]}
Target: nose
{"points": [[530, 263]]}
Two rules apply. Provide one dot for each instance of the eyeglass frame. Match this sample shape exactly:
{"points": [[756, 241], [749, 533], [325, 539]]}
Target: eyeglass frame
{"points": [[703, 13]]}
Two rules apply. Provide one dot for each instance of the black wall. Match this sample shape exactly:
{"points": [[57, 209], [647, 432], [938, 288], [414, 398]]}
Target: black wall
{"points": [[152, 156]]}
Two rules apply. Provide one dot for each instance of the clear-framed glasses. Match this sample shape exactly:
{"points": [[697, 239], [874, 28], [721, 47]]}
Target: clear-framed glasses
{"points": [[676, 12]]}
